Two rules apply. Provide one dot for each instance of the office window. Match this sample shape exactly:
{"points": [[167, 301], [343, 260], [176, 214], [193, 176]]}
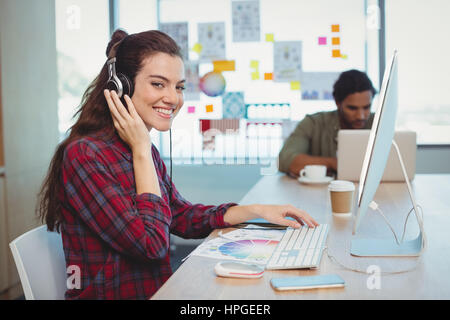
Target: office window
{"points": [[419, 30], [82, 33], [253, 42]]}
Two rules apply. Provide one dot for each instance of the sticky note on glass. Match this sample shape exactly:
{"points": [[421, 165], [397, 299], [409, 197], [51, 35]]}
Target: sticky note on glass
{"points": [[295, 85], [197, 48], [334, 28], [254, 64], [322, 41], [335, 41], [269, 37], [191, 109], [224, 65], [255, 75], [268, 76], [336, 53], [209, 108], [344, 56]]}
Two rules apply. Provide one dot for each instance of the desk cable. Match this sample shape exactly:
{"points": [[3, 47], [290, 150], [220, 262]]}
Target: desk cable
{"points": [[374, 206]]}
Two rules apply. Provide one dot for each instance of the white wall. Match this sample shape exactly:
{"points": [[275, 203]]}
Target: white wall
{"points": [[29, 101]]}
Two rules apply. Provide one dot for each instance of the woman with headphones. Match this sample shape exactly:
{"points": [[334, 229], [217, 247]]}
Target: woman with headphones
{"points": [[107, 190]]}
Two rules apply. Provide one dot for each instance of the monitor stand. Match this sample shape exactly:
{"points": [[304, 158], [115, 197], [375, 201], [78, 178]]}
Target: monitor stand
{"points": [[390, 248]]}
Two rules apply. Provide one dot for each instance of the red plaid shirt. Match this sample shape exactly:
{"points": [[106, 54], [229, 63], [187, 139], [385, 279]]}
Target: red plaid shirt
{"points": [[118, 239]]}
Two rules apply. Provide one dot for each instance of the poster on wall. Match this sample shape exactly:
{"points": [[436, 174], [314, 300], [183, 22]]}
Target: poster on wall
{"points": [[318, 85], [233, 105], [192, 91], [246, 21], [211, 37], [179, 32], [287, 61]]}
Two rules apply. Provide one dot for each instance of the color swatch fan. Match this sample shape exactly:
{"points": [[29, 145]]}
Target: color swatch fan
{"points": [[257, 250]]}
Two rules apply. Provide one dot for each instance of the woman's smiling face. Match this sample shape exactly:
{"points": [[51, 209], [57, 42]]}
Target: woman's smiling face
{"points": [[158, 91]]}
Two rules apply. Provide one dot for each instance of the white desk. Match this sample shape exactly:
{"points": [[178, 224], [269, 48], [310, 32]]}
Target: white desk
{"points": [[430, 279]]}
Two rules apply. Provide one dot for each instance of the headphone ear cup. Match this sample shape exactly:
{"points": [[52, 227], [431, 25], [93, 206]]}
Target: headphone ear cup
{"points": [[127, 85], [112, 85]]}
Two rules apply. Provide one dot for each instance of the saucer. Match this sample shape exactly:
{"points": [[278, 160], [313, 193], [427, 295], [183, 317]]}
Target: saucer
{"points": [[324, 180]]}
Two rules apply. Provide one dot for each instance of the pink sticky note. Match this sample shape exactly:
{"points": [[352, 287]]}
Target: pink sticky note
{"points": [[322, 41], [191, 109]]}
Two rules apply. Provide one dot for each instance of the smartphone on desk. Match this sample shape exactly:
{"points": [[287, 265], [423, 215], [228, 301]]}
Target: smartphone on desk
{"points": [[307, 282]]}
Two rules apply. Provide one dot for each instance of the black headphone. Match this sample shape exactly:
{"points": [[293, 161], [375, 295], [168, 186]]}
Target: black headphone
{"points": [[118, 82]]}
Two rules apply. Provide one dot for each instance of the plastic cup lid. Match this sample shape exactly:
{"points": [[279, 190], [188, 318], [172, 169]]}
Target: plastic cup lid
{"points": [[341, 185]]}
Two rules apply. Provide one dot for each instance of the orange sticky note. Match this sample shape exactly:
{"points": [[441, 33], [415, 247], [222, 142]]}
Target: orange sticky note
{"points": [[268, 76], [336, 53], [334, 28], [224, 65], [336, 41], [209, 108]]}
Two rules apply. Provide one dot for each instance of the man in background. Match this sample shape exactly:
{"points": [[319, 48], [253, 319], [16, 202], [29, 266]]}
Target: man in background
{"points": [[314, 140]]}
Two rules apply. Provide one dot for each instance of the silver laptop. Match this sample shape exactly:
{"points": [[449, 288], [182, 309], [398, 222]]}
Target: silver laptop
{"points": [[352, 146]]}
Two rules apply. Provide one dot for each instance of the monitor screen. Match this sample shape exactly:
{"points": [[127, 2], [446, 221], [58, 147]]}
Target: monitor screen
{"points": [[380, 141]]}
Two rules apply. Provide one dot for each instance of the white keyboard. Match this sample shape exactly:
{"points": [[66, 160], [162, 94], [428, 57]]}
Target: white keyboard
{"points": [[299, 248]]}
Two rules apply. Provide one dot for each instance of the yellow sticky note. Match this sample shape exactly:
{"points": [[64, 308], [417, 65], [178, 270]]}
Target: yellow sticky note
{"points": [[209, 108], [295, 85], [335, 28], [254, 64], [197, 48], [255, 75], [269, 37], [224, 65], [344, 56], [336, 53]]}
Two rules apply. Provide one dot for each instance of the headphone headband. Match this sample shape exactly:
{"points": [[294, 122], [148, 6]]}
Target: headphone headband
{"points": [[113, 78], [118, 81]]}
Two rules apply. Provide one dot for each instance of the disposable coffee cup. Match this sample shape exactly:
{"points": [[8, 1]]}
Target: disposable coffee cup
{"points": [[341, 195]]}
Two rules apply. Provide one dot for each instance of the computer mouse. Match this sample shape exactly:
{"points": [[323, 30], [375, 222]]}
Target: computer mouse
{"points": [[233, 269]]}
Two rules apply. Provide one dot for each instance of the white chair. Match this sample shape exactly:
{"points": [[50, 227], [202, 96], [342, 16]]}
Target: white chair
{"points": [[41, 264]]}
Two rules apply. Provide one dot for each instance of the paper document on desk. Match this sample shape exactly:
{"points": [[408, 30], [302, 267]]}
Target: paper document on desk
{"points": [[251, 244]]}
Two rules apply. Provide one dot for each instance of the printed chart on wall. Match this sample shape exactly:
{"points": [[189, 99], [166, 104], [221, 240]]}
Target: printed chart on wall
{"points": [[287, 59], [245, 21], [179, 32], [211, 37], [246, 245]]}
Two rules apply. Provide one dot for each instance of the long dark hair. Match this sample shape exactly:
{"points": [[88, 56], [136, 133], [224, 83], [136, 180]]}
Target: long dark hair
{"points": [[93, 115]]}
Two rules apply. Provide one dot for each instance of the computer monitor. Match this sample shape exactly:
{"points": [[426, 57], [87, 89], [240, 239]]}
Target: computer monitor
{"points": [[377, 152]]}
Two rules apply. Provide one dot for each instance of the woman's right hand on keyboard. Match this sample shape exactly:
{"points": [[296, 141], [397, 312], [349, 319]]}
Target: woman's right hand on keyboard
{"points": [[277, 214]]}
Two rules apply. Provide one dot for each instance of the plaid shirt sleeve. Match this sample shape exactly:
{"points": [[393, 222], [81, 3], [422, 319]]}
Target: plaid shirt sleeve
{"points": [[134, 226], [190, 220]]}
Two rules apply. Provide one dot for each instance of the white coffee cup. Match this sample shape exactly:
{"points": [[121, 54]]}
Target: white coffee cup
{"points": [[314, 172]]}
